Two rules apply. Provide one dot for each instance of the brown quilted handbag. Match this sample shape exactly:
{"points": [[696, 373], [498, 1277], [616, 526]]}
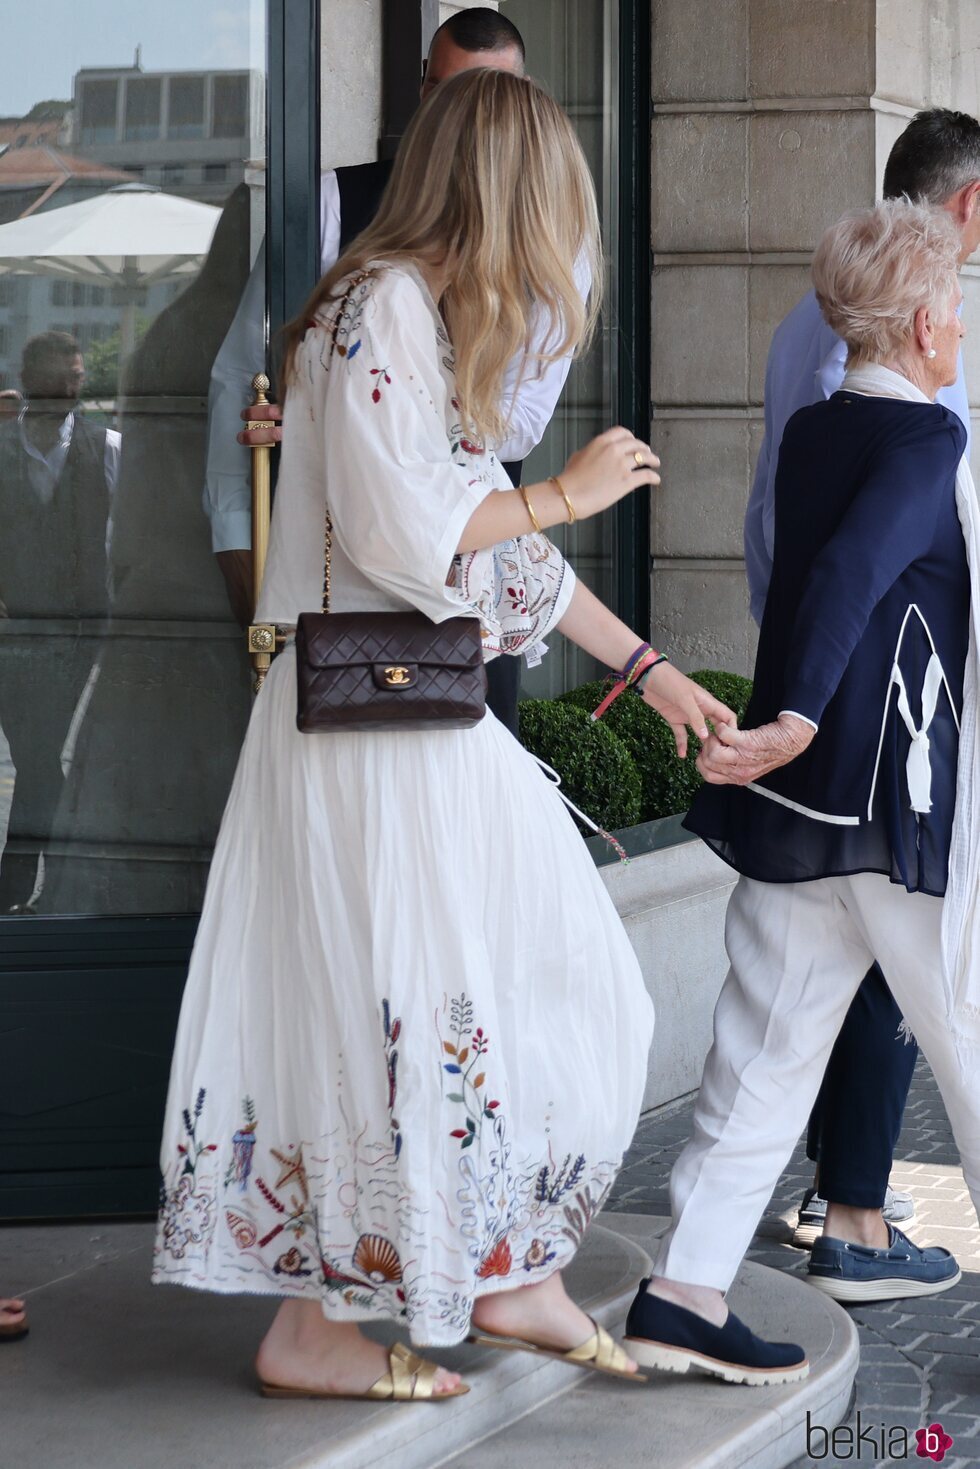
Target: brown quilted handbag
{"points": [[386, 670]]}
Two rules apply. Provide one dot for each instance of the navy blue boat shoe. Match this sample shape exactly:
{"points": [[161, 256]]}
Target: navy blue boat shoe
{"points": [[853, 1273], [673, 1339]]}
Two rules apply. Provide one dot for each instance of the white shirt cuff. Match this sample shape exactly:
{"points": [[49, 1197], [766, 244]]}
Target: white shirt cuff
{"points": [[231, 530], [804, 717]]}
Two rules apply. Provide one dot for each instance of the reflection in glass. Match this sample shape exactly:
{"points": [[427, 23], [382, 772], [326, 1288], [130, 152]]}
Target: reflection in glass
{"points": [[570, 45], [185, 114], [230, 106], [57, 472], [124, 687], [142, 108], [97, 109]]}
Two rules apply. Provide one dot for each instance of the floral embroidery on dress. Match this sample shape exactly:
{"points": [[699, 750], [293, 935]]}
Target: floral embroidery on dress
{"points": [[555, 1185], [348, 333], [515, 587], [467, 1050], [192, 1150], [381, 373]]}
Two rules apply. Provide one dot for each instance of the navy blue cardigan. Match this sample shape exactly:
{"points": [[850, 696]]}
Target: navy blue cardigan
{"points": [[869, 571]]}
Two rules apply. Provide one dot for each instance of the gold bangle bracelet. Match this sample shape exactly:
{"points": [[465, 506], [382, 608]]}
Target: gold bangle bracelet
{"points": [[554, 480], [530, 509]]}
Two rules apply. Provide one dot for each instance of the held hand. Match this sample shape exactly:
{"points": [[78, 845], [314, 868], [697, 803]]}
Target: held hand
{"points": [[737, 756], [682, 702], [253, 438], [607, 469]]}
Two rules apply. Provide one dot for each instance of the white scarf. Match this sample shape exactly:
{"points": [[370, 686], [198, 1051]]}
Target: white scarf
{"points": [[961, 907]]}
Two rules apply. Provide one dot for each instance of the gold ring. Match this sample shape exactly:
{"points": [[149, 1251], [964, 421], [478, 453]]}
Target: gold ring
{"points": [[639, 458]]}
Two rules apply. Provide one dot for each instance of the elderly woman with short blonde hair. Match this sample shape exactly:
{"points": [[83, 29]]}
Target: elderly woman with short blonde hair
{"points": [[848, 803]]}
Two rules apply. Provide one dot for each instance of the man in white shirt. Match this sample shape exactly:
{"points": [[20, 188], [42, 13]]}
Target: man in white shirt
{"points": [[858, 1115], [349, 197], [58, 473]]}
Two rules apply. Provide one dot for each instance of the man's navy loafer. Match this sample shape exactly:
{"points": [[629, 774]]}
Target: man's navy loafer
{"points": [[662, 1335], [854, 1273]]}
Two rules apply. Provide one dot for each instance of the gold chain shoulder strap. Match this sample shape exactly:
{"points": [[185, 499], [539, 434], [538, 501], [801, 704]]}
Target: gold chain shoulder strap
{"points": [[328, 531]]}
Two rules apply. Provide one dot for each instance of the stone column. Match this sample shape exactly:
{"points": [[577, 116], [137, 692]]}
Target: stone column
{"points": [[763, 133], [928, 55]]}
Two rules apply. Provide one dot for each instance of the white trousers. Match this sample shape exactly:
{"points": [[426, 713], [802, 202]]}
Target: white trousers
{"points": [[798, 952]]}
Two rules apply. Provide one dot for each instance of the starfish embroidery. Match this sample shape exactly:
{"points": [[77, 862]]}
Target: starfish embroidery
{"points": [[292, 1167]]}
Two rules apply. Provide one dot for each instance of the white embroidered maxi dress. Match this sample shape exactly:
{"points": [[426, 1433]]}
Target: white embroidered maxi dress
{"points": [[414, 1037]]}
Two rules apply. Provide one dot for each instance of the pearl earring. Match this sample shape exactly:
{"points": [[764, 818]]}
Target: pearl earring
{"points": [[931, 352]]}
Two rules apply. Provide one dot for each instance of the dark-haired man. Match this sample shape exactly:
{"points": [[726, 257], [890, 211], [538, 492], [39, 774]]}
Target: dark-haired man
{"points": [[349, 198], [477, 31], [858, 1116]]}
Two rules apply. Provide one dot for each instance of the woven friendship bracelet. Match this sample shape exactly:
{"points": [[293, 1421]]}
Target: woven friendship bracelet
{"points": [[642, 661]]}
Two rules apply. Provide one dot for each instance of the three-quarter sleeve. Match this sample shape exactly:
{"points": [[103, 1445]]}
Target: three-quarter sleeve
{"points": [[890, 523], [521, 590], [398, 501], [403, 479]]}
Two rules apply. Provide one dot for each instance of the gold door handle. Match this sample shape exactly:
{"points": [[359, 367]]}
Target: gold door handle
{"points": [[262, 635]]}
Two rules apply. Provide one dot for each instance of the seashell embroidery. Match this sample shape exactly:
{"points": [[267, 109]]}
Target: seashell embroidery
{"points": [[536, 1255], [291, 1263], [376, 1258], [243, 1232]]}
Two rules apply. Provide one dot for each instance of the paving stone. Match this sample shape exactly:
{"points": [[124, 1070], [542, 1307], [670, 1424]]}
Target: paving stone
{"points": [[958, 1425], [953, 1346], [904, 1337], [953, 1326], [948, 1305], [885, 1374]]}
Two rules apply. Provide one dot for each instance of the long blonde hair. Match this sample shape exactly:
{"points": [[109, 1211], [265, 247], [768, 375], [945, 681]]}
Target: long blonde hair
{"points": [[491, 180]]}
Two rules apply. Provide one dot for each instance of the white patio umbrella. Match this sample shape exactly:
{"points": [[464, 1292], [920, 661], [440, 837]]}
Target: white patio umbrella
{"points": [[131, 236]]}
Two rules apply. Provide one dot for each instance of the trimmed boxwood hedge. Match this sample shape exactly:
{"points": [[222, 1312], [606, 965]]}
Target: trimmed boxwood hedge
{"points": [[596, 769], [591, 769]]}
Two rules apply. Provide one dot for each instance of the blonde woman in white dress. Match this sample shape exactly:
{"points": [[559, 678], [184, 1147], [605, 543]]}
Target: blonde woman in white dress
{"points": [[414, 1038]]}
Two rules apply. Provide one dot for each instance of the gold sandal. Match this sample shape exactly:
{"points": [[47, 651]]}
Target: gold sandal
{"points": [[599, 1353], [409, 1378]]}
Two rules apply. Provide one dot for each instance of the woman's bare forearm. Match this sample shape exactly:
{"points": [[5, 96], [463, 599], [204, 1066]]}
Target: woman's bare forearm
{"points": [[682, 702], [502, 516], [590, 624]]}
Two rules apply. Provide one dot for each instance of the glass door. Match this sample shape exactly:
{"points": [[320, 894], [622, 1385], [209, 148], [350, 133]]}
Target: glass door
{"points": [[132, 207], [593, 56]]}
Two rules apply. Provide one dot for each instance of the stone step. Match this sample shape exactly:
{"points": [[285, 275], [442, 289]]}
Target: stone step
{"points": [[693, 1422], [117, 1373]]}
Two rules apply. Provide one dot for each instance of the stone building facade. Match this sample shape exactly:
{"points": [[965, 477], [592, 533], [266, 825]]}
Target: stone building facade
{"points": [[771, 117]]}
